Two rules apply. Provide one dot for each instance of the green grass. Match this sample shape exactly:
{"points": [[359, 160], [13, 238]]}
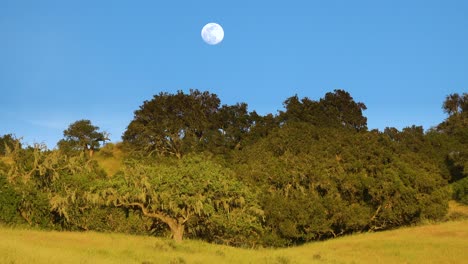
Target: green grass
{"points": [[437, 243]]}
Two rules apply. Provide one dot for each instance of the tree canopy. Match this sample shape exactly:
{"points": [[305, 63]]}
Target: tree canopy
{"points": [[82, 135], [191, 189], [7, 142], [337, 109], [172, 124]]}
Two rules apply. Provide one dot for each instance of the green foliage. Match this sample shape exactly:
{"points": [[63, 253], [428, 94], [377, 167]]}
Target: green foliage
{"points": [[175, 192], [336, 109], [34, 207], [460, 190], [178, 124], [173, 124], [323, 182], [234, 123], [7, 142], [455, 104], [41, 178], [456, 128], [41, 167], [9, 202]]}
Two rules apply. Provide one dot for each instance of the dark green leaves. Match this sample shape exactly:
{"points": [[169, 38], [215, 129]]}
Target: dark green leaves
{"points": [[82, 136]]}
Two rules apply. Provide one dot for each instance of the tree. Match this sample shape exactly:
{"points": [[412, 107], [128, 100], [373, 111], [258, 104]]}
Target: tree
{"points": [[452, 104], [174, 192], [319, 182], [9, 202], [337, 109], [456, 128], [235, 124], [173, 124], [34, 174], [456, 106], [8, 142], [341, 107], [464, 103], [82, 136]]}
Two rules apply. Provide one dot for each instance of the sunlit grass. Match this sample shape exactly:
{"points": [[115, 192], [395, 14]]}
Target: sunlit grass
{"points": [[457, 211], [110, 158], [437, 243]]}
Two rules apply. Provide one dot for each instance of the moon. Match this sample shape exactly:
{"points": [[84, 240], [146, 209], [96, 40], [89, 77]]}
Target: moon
{"points": [[212, 33]]}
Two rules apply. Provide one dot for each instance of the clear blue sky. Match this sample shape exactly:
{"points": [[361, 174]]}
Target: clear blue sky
{"points": [[61, 61]]}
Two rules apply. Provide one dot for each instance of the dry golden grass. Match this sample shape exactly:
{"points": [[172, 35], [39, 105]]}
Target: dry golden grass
{"points": [[110, 158], [437, 243], [457, 211]]}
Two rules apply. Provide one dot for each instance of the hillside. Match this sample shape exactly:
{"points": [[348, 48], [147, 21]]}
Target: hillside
{"points": [[438, 243]]}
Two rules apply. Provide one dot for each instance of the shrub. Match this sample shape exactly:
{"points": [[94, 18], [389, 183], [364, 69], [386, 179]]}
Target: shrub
{"points": [[460, 190], [9, 202]]}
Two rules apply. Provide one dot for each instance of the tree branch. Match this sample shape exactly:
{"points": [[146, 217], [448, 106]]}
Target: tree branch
{"points": [[166, 219], [376, 213]]}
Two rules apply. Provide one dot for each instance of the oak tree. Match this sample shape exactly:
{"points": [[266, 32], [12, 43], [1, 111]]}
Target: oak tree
{"points": [[173, 124], [83, 136], [175, 192]]}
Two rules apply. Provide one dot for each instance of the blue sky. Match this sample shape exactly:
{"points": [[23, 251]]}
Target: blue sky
{"points": [[61, 61]]}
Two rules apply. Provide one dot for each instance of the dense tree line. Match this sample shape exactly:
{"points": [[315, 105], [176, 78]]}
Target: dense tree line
{"points": [[195, 168]]}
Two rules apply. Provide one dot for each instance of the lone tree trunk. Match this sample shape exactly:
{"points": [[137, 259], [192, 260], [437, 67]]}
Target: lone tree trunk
{"points": [[177, 227], [89, 149], [177, 231]]}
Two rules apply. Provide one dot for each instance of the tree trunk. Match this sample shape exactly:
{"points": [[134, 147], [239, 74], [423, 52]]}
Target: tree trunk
{"points": [[177, 231], [177, 227]]}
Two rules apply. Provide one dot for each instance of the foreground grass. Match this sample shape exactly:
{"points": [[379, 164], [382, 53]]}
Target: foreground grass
{"points": [[437, 243]]}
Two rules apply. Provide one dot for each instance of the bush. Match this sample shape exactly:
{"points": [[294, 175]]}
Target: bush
{"points": [[460, 190], [34, 207], [322, 183], [9, 202]]}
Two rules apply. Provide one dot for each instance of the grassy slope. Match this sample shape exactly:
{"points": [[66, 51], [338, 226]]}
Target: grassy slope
{"points": [[111, 162], [437, 243]]}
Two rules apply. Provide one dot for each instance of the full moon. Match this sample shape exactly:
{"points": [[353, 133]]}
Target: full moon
{"points": [[212, 33]]}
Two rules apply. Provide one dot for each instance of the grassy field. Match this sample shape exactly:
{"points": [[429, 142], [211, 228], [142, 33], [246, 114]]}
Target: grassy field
{"points": [[435, 243]]}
